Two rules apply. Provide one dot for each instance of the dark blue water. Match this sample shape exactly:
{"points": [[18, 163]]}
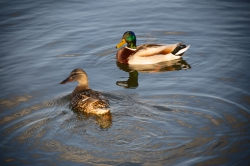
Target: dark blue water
{"points": [[192, 111]]}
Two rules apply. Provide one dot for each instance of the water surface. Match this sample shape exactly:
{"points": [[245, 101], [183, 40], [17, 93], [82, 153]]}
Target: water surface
{"points": [[192, 111]]}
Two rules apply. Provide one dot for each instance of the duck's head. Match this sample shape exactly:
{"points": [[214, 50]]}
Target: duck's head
{"points": [[129, 38], [78, 75]]}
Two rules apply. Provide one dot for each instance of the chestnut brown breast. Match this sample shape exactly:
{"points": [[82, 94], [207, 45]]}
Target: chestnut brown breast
{"points": [[123, 54]]}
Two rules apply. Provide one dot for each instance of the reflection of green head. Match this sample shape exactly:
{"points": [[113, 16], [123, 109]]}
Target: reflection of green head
{"points": [[129, 38]]}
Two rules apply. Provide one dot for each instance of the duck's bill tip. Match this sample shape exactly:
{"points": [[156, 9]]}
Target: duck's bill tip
{"points": [[117, 46], [66, 81]]}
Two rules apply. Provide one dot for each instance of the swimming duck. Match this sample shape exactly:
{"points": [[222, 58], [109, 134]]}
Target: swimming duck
{"points": [[83, 98], [147, 53]]}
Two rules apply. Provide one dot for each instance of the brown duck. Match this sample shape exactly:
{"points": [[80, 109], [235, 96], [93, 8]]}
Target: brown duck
{"points": [[83, 98]]}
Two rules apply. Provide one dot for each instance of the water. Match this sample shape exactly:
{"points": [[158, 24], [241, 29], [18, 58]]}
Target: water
{"points": [[193, 111]]}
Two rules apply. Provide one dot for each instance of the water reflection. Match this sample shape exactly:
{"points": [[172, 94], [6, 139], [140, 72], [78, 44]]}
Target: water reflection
{"points": [[104, 121], [132, 81], [133, 70]]}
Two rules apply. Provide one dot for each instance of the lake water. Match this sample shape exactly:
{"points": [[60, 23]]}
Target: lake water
{"points": [[193, 111]]}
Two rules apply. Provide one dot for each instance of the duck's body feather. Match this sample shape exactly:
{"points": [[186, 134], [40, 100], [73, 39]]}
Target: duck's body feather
{"points": [[147, 53], [83, 98], [147, 50], [89, 101]]}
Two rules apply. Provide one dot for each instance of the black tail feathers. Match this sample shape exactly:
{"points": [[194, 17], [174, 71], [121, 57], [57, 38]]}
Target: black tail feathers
{"points": [[178, 48]]}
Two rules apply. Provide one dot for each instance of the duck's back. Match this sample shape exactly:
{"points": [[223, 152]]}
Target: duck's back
{"points": [[90, 101]]}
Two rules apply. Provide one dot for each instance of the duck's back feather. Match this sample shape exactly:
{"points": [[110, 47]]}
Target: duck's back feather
{"points": [[90, 101], [147, 50]]}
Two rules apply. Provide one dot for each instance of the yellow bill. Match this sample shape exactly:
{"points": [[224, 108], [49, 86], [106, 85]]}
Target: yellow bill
{"points": [[122, 42]]}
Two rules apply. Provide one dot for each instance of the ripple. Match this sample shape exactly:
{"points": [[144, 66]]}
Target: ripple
{"points": [[198, 117], [14, 101], [169, 126], [68, 55]]}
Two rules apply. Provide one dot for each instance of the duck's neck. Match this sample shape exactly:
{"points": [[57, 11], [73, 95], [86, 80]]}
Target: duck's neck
{"points": [[79, 88], [132, 45]]}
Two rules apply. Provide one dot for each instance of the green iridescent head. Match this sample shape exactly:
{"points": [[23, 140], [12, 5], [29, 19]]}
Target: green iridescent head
{"points": [[129, 38]]}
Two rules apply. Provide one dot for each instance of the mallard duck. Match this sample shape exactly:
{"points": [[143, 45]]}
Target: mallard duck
{"points": [[147, 53], [83, 98]]}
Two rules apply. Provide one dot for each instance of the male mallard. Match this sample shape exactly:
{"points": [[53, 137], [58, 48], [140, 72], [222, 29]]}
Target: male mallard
{"points": [[84, 98], [147, 53]]}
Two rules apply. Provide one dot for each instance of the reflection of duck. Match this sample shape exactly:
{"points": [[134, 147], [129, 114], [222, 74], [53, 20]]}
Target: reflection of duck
{"points": [[147, 53], [84, 98], [133, 70], [177, 64], [132, 81], [104, 121]]}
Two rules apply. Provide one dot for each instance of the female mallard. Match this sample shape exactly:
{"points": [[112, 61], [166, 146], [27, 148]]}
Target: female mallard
{"points": [[84, 98], [147, 53]]}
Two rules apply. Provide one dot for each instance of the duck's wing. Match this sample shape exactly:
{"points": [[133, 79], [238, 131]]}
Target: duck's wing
{"points": [[82, 102], [79, 101], [147, 50], [90, 101], [94, 96]]}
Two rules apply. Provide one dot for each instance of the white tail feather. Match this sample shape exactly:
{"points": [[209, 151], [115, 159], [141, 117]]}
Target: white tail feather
{"points": [[182, 50]]}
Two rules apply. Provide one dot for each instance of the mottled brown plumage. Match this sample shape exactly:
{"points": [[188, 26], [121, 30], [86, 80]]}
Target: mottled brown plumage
{"points": [[84, 98]]}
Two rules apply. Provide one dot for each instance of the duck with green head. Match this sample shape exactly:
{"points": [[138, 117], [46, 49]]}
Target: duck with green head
{"points": [[147, 53]]}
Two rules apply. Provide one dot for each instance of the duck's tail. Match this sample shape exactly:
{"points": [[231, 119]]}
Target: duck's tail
{"points": [[100, 107], [180, 49], [101, 111]]}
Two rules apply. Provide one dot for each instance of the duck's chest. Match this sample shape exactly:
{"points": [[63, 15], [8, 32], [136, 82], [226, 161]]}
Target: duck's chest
{"points": [[123, 54]]}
